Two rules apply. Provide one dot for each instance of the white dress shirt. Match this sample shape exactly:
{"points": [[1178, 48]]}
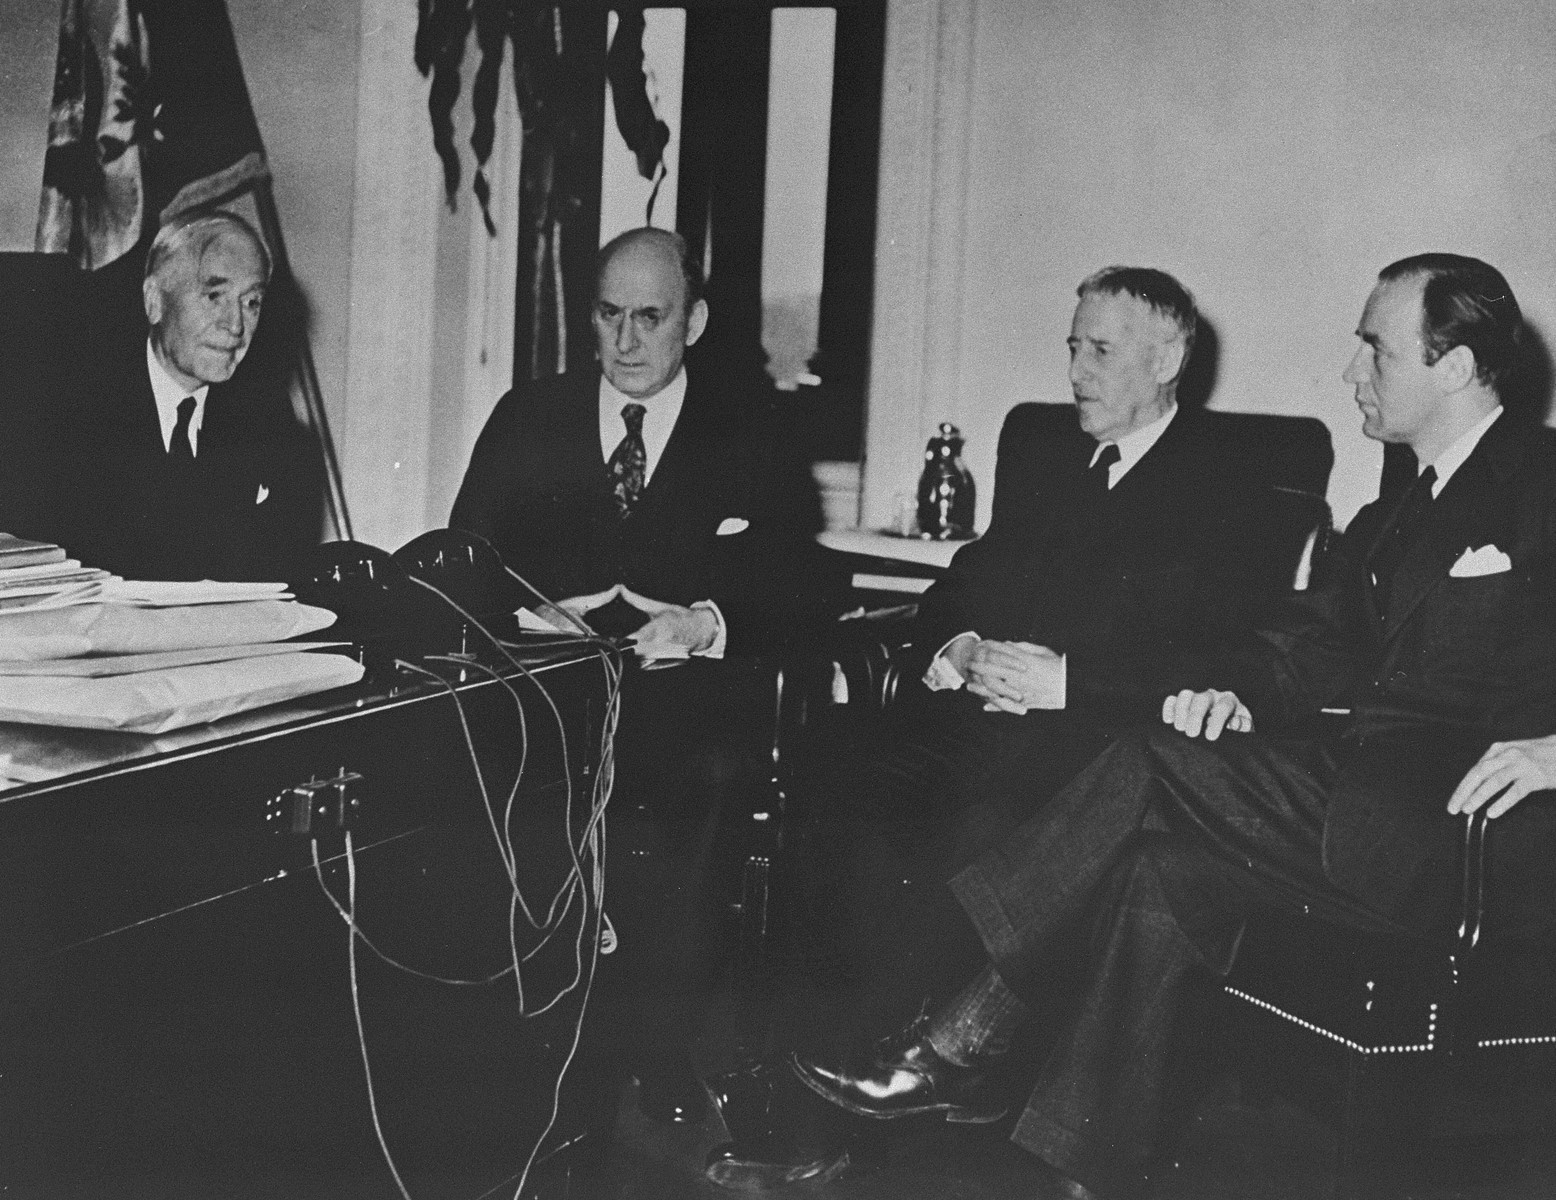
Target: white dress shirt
{"points": [[169, 395], [1133, 445], [660, 413]]}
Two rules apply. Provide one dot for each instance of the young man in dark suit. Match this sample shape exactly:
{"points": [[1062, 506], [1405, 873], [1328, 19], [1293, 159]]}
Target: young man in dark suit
{"points": [[640, 499], [164, 460], [1436, 628]]}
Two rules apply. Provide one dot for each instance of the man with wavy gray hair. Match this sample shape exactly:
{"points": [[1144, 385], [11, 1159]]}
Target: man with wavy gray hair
{"points": [[172, 482]]}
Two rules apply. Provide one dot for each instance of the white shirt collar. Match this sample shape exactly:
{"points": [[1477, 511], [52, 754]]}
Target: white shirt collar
{"points": [[169, 394], [663, 409], [1451, 459], [1133, 445]]}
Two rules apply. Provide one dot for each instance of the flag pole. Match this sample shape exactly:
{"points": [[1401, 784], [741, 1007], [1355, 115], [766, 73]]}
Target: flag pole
{"points": [[307, 374]]}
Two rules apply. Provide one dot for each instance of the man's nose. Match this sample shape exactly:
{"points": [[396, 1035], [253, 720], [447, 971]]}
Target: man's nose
{"points": [[1077, 368], [626, 333], [1356, 370], [232, 318]]}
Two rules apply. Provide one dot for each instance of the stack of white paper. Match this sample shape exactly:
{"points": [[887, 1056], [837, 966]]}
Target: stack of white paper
{"points": [[81, 647], [39, 575]]}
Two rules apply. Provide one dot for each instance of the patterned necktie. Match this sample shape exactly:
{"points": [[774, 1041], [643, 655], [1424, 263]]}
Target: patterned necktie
{"points": [[179, 451], [629, 461], [1391, 551], [1097, 473]]}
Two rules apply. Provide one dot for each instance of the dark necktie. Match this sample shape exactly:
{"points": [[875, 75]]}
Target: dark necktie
{"points": [[1391, 550], [629, 461], [179, 452], [1097, 473]]}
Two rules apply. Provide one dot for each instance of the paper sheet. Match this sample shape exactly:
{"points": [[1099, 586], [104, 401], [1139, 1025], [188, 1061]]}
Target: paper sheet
{"points": [[97, 666], [157, 701], [128, 629]]}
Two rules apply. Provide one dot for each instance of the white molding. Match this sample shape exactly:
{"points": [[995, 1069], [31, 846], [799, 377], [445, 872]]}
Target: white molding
{"points": [[394, 230], [916, 344]]}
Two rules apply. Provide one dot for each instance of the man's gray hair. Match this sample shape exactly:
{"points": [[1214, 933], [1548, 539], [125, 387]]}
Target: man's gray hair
{"points": [[1157, 290], [192, 232]]}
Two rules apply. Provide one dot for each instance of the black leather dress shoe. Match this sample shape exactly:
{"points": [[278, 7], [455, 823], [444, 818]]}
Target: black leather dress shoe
{"points": [[779, 1133], [904, 1082], [772, 1163]]}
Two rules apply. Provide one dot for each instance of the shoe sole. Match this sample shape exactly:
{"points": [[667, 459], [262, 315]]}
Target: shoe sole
{"points": [[954, 1114], [741, 1175]]}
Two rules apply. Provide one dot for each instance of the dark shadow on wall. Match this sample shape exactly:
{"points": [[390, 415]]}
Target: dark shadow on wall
{"points": [[1198, 381], [1530, 395]]}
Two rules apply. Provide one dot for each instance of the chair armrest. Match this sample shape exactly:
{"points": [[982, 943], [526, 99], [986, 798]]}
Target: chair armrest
{"points": [[1472, 895], [870, 656]]}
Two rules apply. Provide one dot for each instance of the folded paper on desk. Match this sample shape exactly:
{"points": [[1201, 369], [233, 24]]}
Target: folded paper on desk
{"points": [[24, 552], [97, 666], [661, 651], [534, 623], [157, 701], [129, 629], [891, 583], [156, 593]]}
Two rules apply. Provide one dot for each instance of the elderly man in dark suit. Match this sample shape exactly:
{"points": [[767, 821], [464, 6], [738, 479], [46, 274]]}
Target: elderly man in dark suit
{"points": [[1131, 527], [1437, 629], [641, 499], [165, 458]]}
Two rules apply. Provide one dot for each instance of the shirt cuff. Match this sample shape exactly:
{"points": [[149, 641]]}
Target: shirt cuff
{"points": [[720, 639], [942, 676]]}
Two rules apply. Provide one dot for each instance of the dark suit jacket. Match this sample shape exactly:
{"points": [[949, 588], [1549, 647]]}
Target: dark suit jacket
{"points": [[537, 488], [1456, 662], [120, 507], [1166, 560]]}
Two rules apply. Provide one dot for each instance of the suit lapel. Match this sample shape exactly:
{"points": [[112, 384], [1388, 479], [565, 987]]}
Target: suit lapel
{"points": [[681, 453], [1155, 475], [1464, 515], [1155, 465]]}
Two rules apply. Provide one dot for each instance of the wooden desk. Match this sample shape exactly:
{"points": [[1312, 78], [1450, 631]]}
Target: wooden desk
{"points": [[176, 1014]]}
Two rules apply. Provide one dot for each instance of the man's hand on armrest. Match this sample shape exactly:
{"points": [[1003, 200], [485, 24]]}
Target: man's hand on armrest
{"points": [[1016, 677], [1211, 711], [1505, 774]]}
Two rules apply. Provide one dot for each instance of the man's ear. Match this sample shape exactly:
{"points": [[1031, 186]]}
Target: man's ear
{"points": [[1169, 360], [1455, 370], [696, 321], [151, 297]]}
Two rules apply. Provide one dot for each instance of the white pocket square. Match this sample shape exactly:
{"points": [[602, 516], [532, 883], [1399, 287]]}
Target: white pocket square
{"points": [[731, 525], [262, 495], [1488, 560]]}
